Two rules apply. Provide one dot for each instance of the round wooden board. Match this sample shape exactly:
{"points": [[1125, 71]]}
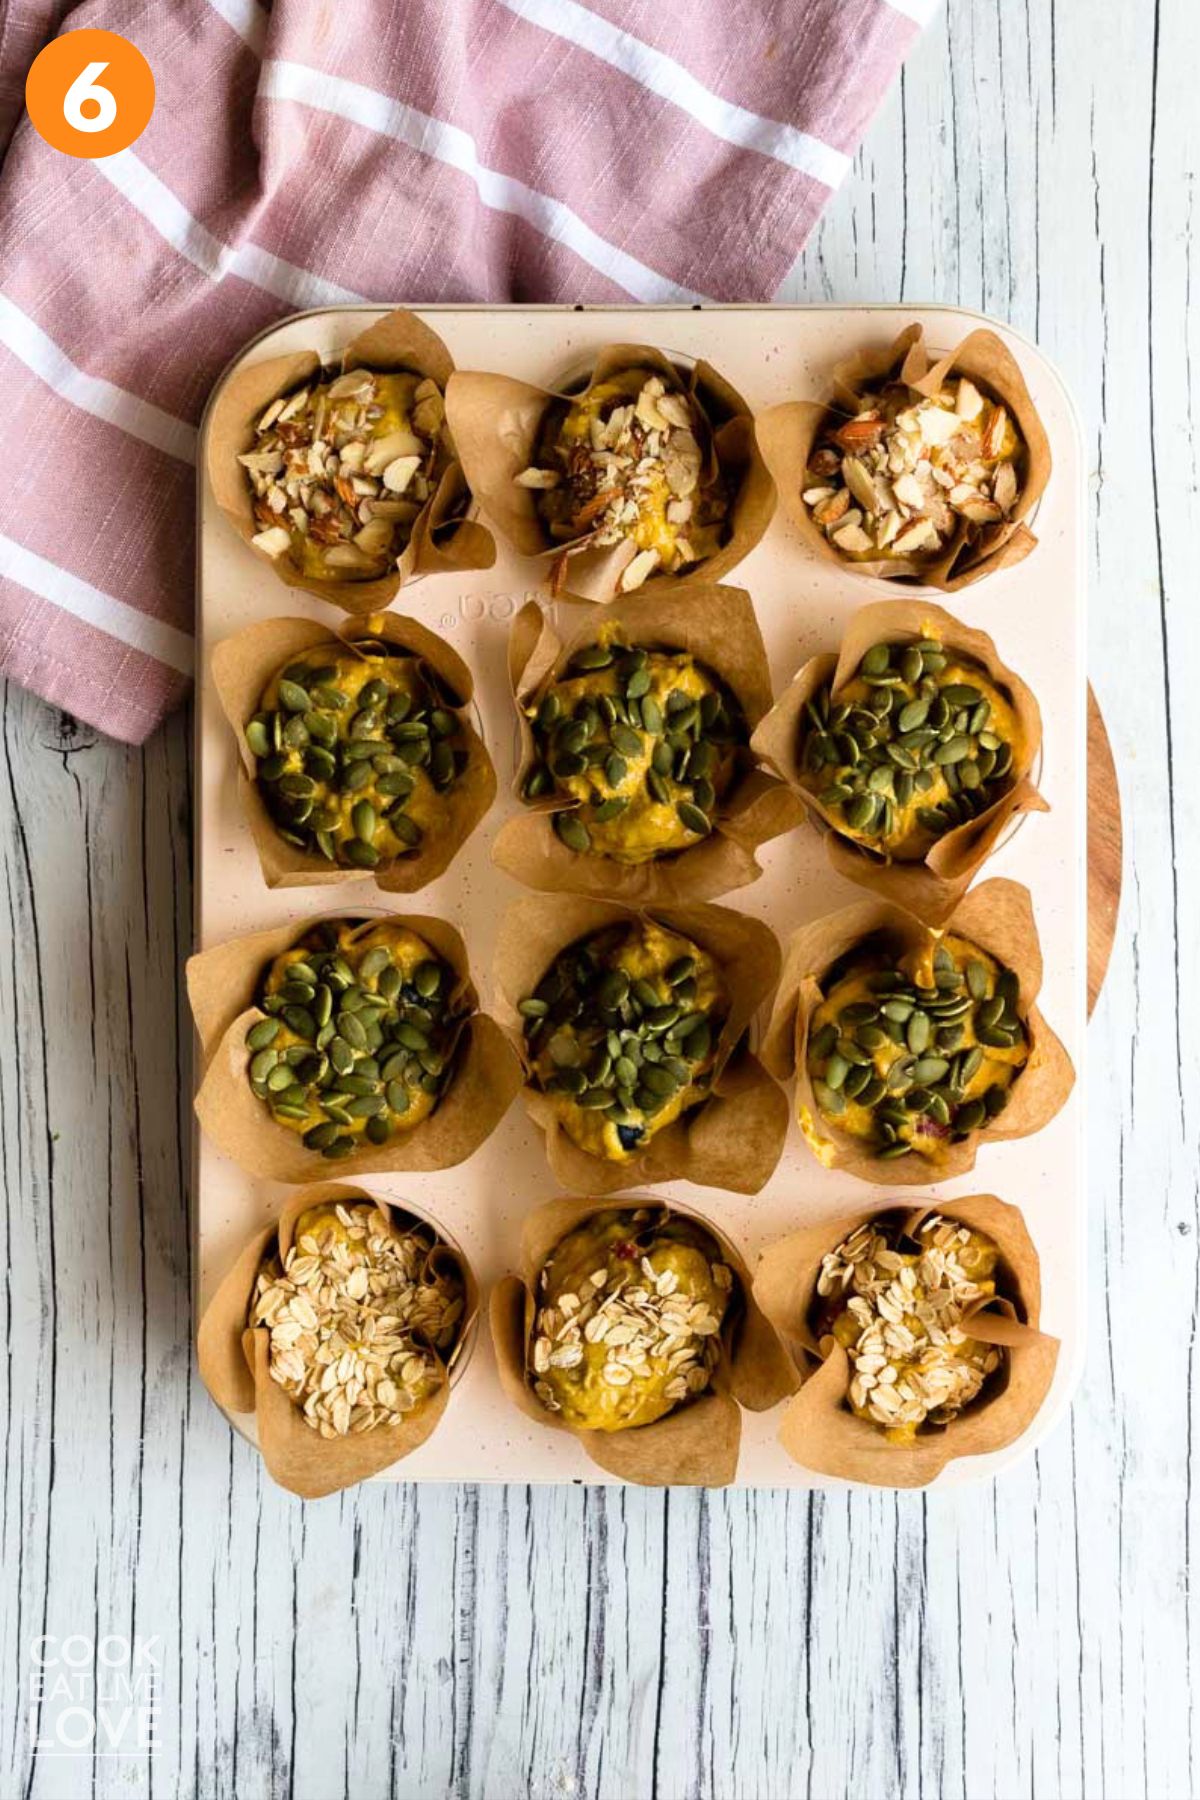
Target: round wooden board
{"points": [[1104, 850]]}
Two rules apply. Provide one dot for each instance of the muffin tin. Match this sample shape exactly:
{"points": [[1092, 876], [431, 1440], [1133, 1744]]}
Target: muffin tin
{"points": [[1035, 612]]}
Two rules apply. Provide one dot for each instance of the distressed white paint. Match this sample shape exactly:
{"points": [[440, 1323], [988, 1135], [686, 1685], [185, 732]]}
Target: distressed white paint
{"points": [[1032, 1638]]}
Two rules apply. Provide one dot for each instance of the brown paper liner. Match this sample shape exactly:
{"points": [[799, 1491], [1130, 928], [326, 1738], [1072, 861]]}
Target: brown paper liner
{"points": [[495, 420], [998, 917], [818, 1429], [442, 539], [696, 1445], [222, 984], [234, 1362], [734, 1138], [718, 627], [243, 664], [788, 433], [929, 889]]}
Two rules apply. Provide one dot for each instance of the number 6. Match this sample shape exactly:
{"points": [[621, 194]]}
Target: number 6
{"points": [[84, 87]]}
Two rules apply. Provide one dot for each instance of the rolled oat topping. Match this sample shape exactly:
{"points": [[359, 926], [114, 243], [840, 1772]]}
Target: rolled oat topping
{"points": [[901, 1317], [629, 1321], [625, 463], [360, 1324], [341, 469], [907, 474]]}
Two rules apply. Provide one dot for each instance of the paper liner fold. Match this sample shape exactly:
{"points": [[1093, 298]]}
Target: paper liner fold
{"points": [[222, 985], [695, 1445], [442, 538], [718, 627], [930, 889], [818, 1429], [734, 1138], [787, 435], [234, 1363], [496, 420], [997, 917], [242, 666]]}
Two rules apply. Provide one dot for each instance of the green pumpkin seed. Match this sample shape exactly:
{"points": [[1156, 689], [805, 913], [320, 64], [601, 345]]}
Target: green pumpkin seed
{"points": [[294, 697], [822, 1042], [970, 1116], [263, 1033], [572, 832], [692, 819]]}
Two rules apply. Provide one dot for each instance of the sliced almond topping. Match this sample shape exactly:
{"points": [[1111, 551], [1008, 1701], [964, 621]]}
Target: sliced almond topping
{"points": [[274, 541], [852, 538], [1004, 488], [398, 474], [858, 479], [920, 535], [969, 403], [831, 510], [643, 564], [537, 478], [993, 435]]}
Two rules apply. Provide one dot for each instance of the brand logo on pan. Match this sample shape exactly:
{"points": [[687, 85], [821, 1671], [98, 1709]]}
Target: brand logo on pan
{"points": [[471, 609], [94, 1696]]}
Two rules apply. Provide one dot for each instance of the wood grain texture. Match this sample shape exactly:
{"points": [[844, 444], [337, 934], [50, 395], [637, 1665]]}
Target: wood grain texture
{"points": [[1038, 1637]]}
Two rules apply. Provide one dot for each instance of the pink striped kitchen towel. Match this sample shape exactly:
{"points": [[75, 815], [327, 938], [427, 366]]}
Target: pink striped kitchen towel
{"points": [[340, 150]]}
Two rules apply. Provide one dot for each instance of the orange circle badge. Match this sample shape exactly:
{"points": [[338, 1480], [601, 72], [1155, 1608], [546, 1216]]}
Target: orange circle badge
{"points": [[90, 93]]}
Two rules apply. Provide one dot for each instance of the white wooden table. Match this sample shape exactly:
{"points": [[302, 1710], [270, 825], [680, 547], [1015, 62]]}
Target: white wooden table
{"points": [[1034, 1637]]}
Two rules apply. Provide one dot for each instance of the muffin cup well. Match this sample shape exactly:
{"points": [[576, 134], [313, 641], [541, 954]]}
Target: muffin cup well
{"points": [[818, 1429], [242, 666], [443, 540], [234, 1362], [222, 985], [998, 918], [718, 627], [787, 435], [734, 1138], [929, 889], [496, 420], [696, 1445]]}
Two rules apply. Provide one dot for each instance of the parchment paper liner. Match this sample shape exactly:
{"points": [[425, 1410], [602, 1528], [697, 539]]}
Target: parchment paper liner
{"points": [[787, 436], [734, 1138], [222, 983], [717, 626], [696, 1445], [930, 888], [442, 540], [496, 419], [243, 664], [998, 918], [234, 1362], [818, 1429]]}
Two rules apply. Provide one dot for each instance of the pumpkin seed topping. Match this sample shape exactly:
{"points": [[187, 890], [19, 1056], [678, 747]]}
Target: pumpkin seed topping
{"points": [[634, 1050], [369, 1051], [908, 751], [354, 751], [916, 1055], [646, 743]]}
